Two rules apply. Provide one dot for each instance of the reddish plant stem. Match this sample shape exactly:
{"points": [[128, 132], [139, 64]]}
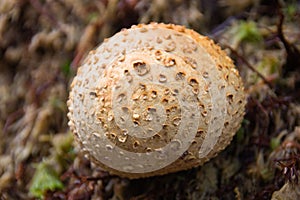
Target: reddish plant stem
{"points": [[249, 65]]}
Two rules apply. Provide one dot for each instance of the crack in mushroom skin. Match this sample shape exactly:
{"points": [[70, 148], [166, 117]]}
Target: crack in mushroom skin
{"points": [[155, 99]]}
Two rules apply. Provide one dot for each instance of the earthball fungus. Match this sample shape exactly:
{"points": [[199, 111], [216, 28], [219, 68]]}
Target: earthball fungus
{"points": [[155, 99]]}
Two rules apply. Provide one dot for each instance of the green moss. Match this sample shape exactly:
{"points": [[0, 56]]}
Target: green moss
{"points": [[63, 143], [290, 10], [274, 143], [66, 69], [44, 179], [246, 31]]}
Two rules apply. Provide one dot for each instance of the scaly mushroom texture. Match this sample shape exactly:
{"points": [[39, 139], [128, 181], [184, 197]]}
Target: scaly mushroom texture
{"points": [[155, 99]]}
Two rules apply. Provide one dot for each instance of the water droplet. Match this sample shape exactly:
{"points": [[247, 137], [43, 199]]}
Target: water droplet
{"points": [[122, 138], [195, 91], [175, 145], [144, 96], [192, 62], [162, 78], [158, 54], [121, 58], [149, 131], [168, 37], [121, 97], [153, 94], [129, 78], [171, 46], [157, 120], [205, 74], [84, 142], [175, 92], [221, 87], [149, 117], [96, 134], [136, 123], [176, 121], [180, 76], [86, 155], [141, 67], [125, 109], [122, 120], [112, 135], [204, 113], [135, 116], [169, 62], [158, 40], [110, 117], [148, 150], [140, 166], [124, 131], [109, 147], [90, 119], [107, 158], [167, 91], [193, 82], [128, 168], [190, 47], [160, 155]]}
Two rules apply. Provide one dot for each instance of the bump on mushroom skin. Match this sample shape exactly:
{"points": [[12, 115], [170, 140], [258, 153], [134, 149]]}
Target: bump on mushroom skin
{"points": [[162, 48]]}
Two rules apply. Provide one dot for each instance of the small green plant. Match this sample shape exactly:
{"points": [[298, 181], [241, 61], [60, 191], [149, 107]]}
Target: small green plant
{"points": [[66, 68], [246, 31], [290, 10], [44, 179]]}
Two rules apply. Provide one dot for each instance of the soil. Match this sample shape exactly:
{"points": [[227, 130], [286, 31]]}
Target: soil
{"points": [[42, 43]]}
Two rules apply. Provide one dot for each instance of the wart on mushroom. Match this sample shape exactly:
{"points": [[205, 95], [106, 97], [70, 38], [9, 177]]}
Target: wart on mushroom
{"points": [[155, 99]]}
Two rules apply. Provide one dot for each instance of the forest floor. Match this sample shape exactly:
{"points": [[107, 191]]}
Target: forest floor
{"points": [[42, 43]]}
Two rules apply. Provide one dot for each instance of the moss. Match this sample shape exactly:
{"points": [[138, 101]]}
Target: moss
{"points": [[44, 179], [246, 31]]}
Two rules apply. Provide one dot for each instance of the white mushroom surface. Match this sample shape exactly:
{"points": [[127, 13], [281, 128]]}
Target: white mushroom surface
{"points": [[155, 99]]}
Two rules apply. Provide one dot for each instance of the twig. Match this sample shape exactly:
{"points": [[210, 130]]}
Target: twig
{"points": [[293, 54], [249, 65]]}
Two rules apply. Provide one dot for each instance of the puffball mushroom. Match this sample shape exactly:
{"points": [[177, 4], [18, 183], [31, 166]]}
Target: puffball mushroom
{"points": [[155, 99]]}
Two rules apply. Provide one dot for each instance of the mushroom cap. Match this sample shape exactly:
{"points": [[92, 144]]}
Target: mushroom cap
{"points": [[155, 99]]}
